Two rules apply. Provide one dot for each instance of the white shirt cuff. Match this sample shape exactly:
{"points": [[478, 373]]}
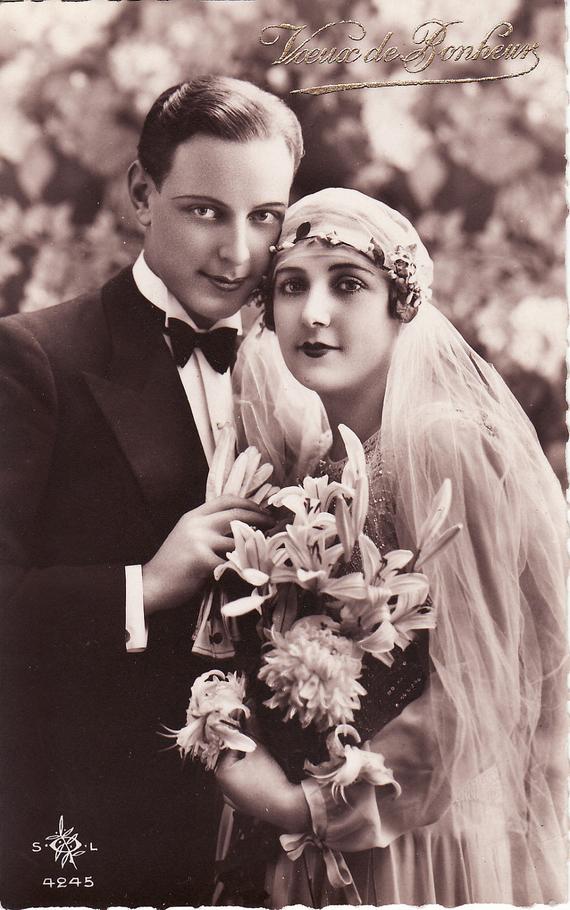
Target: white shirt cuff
{"points": [[136, 630]]}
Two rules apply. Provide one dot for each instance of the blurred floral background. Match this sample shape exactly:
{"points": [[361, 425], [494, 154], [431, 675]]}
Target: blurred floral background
{"points": [[479, 168]]}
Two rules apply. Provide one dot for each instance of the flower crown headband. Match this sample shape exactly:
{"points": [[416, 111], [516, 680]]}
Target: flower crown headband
{"points": [[399, 264]]}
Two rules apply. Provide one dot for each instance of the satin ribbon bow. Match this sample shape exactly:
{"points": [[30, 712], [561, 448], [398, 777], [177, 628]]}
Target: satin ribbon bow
{"points": [[338, 872], [219, 345]]}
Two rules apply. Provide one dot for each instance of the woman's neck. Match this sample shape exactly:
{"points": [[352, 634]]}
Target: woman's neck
{"points": [[358, 416]]}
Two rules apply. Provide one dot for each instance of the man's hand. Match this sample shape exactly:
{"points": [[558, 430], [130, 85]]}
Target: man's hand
{"points": [[192, 550]]}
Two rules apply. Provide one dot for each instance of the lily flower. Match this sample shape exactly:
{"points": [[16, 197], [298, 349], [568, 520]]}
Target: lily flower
{"points": [[350, 519], [392, 606], [431, 539], [259, 560], [356, 462], [307, 549], [243, 475], [408, 616], [382, 577], [313, 562], [311, 501], [397, 604], [380, 642], [348, 764], [255, 556], [213, 718], [248, 604]]}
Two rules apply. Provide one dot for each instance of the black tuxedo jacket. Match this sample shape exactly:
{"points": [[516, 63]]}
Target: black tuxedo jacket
{"points": [[99, 458]]}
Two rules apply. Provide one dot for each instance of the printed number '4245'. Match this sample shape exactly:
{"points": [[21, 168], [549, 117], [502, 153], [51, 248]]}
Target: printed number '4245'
{"points": [[61, 882]]}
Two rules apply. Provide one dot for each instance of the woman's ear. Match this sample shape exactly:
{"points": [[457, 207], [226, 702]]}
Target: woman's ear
{"points": [[141, 187]]}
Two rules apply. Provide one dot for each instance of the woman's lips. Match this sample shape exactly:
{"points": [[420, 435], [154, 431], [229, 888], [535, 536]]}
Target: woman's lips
{"points": [[316, 348]]}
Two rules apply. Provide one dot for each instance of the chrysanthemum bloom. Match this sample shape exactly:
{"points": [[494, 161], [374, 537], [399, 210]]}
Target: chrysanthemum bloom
{"points": [[313, 672]]}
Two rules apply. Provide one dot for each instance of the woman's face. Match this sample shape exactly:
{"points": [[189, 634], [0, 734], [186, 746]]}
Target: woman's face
{"points": [[332, 320]]}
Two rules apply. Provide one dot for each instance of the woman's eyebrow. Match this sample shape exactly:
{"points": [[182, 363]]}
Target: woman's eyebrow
{"points": [[336, 266], [350, 265]]}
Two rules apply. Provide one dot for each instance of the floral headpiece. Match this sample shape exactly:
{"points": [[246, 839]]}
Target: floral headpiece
{"points": [[340, 216]]}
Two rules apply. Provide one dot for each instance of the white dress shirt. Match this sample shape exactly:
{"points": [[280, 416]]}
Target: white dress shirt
{"points": [[209, 395]]}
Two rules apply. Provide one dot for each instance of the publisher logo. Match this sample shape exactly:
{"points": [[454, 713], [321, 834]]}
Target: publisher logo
{"points": [[65, 844]]}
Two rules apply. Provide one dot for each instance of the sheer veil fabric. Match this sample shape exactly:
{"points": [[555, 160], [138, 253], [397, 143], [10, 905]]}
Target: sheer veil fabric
{"points": [[496, 699], [274, 412], [480, 755]]}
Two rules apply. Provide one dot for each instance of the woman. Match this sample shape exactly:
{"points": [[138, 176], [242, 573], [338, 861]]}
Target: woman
{"points": [[479, 753]]}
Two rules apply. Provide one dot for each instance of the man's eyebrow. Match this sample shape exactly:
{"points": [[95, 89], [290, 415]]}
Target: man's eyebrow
{"points": [[211, 200], [196, 197], [288, 268]]}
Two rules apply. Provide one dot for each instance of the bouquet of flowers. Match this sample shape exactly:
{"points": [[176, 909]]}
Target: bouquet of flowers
{"points": [[318, 618]]}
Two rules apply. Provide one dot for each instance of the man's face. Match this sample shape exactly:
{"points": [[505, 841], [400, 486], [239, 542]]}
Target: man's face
{"points": [[210, 225]]}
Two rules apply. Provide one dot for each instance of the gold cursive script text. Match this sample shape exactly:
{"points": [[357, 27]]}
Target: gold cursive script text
{"points": [[430, 42]]}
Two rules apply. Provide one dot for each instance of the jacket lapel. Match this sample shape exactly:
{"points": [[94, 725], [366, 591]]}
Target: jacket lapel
{"points": [[144, 403]]}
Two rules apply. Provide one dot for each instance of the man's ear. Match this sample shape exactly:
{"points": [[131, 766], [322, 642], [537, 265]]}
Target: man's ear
{"points": [[141, 185]]}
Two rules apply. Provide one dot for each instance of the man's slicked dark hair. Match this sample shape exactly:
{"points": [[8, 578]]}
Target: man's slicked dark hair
{"points": [[217, 106]]}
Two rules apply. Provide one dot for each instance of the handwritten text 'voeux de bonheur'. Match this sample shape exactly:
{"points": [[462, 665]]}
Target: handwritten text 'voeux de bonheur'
{"points": [[431, 43]]}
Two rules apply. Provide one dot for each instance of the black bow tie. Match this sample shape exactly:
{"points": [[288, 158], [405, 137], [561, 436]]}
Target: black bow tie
{"points": [[219, 345]]}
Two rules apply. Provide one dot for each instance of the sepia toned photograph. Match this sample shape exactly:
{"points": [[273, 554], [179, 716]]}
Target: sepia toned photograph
{"points": [[283, 538]]}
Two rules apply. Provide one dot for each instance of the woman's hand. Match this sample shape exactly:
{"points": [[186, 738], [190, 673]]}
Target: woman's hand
{"points": [[255, 784]]}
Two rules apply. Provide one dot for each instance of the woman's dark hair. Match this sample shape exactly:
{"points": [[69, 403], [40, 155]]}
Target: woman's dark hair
{"points": [[215, 106]]}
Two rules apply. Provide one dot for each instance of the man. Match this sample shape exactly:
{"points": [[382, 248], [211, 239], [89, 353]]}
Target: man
{"points": [[110, 415]]}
